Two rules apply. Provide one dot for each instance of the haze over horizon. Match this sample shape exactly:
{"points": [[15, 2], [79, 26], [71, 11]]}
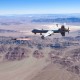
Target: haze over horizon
{"points": [[39, 6]]}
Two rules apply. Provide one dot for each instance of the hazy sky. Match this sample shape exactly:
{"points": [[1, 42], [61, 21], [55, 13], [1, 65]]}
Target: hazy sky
{"points": [[39, 6]]}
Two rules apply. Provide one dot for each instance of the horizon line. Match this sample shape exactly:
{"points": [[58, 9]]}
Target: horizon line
{"points": [[40, 14]]}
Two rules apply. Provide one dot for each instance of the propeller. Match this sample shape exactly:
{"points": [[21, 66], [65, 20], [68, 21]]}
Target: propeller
{"points": [[68, 30]]}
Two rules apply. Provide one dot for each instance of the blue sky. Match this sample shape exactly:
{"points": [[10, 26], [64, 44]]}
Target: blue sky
{"points": [[39, 6]]}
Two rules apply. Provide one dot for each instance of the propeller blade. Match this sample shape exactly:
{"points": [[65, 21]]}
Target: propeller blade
{"points": [[68, 30]]}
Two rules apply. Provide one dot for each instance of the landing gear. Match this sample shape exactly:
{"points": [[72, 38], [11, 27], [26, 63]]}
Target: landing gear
{"points": [[40, 33], [42, 37]]}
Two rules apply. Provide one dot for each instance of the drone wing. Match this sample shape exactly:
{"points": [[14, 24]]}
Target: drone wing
{"points": [[47, 34]]}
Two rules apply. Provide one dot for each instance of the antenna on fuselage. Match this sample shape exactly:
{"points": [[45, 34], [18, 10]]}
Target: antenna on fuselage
{"points": [[57, 25]]}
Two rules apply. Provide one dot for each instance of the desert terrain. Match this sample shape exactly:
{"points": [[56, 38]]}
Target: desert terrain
{"points": [[31, 58]]}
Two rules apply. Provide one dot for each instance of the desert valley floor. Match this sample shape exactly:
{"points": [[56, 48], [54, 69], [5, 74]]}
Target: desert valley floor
{"points": [[31, 58]]}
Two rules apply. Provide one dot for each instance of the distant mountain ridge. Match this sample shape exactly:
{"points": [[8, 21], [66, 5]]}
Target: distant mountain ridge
{"points": [[60, 20], [26, 18]]}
